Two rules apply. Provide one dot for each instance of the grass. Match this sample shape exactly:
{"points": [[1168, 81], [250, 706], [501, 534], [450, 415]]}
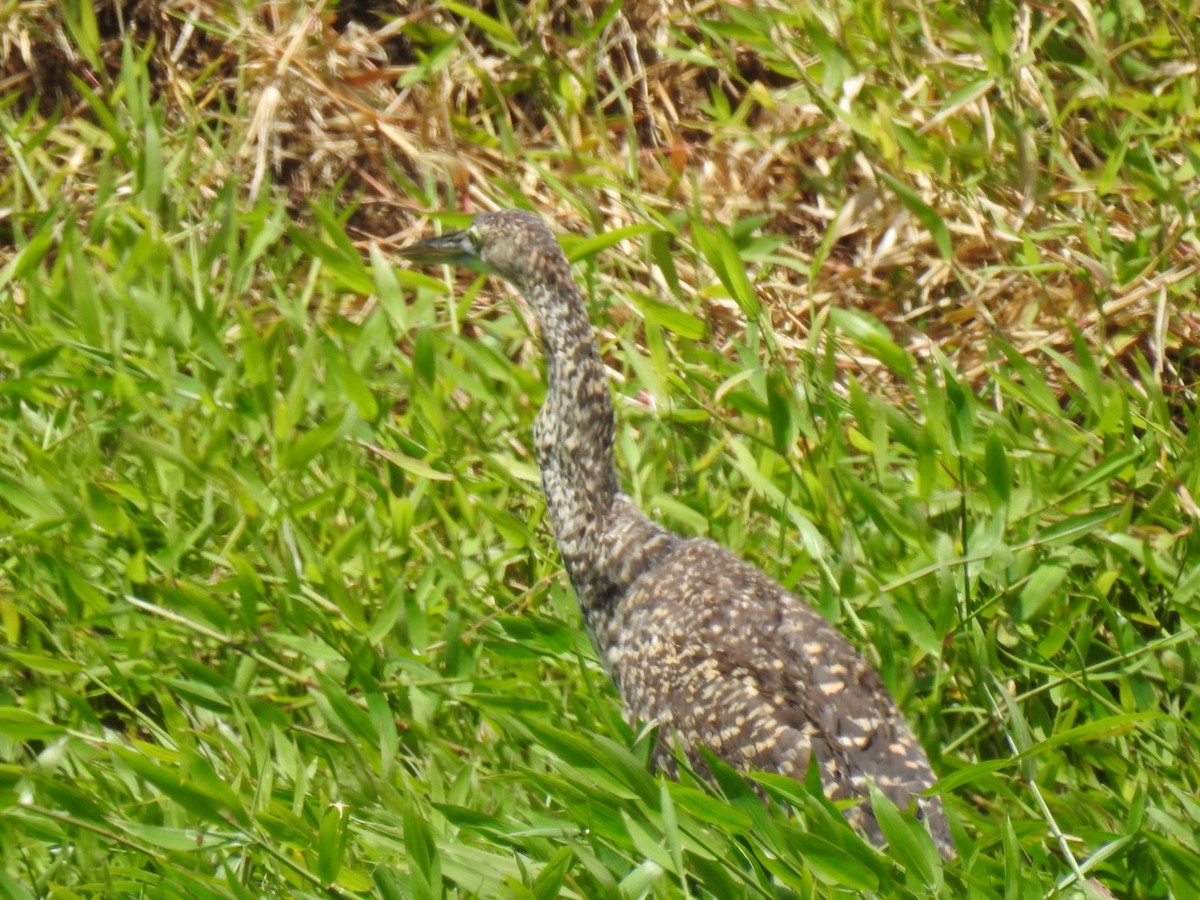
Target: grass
{"points": [[900, 305]]}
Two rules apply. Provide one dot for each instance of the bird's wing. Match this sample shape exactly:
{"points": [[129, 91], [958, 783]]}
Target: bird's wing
{"points": [[726, 658]]}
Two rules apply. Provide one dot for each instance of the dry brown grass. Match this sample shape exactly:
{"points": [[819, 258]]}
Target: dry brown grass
{"points": [[317, 98]]}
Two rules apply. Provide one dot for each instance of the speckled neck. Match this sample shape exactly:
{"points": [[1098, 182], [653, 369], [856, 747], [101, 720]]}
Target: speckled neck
{"points": [[605, 541]]}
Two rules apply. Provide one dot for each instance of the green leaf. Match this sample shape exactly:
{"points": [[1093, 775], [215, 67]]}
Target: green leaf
{"points": [[647, 844], [969, 774], [832, 864], [995, 464], [412, 466], [640, 881], [355, 388], [388, 290], [908, 842], [873, 336], [23, 725], [301, 451], [1037, 591], [89, 313], [1075, 526], [588, 247], [671, 829], [331, 843], [549, 882], [705, 808], [604, 761], [924, 213], [104, 115], [356, 722], [681, 323], [1109, 468], [181, 840], [781, 405], [341, 259], [425, 356], [423, 856], [1111, 173], [493, 27], [151, 165], [1014, 861], [722, 254], [207, 798], [80, 18]]}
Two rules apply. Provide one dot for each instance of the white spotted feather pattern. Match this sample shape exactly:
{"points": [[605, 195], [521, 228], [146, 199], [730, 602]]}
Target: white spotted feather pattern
{"points": [[697, 640]]}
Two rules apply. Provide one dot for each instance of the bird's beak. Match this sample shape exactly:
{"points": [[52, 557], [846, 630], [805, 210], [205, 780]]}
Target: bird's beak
{"points": [[451, 249]]}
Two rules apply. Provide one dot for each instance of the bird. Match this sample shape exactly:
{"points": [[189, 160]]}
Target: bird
{"points": [[697, 641]]}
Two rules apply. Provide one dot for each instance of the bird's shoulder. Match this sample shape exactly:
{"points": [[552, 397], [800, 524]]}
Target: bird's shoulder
{"points": [[702, 594]]}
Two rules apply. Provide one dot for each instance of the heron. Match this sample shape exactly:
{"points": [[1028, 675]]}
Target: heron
{"points": [[697, 640]]}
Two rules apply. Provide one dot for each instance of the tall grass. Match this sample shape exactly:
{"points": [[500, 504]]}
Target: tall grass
{"points": [[899, 303]]}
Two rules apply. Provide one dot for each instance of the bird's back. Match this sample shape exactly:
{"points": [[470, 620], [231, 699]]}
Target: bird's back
{"points": [[723, 657]]}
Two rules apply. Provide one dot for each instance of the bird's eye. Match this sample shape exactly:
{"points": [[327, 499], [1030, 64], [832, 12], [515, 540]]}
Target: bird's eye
{"points": [[474, 238]]}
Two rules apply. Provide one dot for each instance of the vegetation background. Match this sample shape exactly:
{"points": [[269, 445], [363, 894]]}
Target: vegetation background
{"points": [[899, 301]]}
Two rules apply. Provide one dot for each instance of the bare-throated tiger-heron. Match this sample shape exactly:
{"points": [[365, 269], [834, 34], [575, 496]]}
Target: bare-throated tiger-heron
{"points": [[696, 639]]}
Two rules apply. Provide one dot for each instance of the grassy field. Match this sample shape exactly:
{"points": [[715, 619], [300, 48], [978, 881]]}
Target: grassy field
{"points": [[899, 302]]}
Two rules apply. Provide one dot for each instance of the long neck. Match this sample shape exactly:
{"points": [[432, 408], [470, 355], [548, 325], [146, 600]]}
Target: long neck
{"points": [[574, 429], [605, 541]]}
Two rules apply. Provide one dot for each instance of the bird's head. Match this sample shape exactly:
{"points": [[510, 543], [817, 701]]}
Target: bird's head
{"points": [[511, 243]]}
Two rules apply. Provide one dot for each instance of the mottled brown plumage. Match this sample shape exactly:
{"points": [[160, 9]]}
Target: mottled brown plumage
{"points": [[696, 639]]}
